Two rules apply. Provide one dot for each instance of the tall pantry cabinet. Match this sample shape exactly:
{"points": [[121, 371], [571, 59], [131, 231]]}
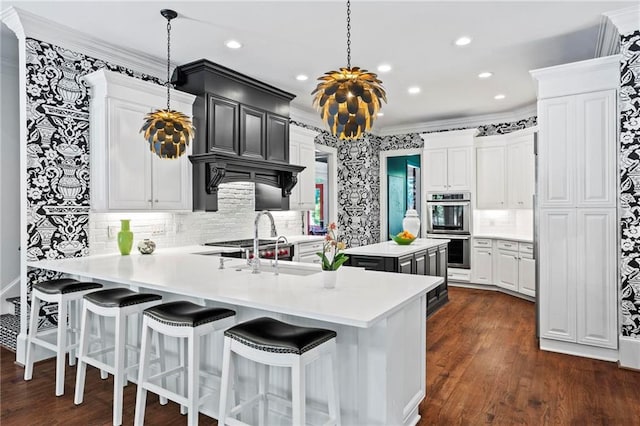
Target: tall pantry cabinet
{"points": [[577, 232]]}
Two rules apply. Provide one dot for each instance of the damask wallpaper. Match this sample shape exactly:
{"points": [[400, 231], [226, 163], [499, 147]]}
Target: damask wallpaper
{"points": [[630, 184], [58, 151]]}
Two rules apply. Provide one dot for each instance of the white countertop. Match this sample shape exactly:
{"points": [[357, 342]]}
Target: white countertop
{"points": [[505, 236], [392, 249], [360, 299]]}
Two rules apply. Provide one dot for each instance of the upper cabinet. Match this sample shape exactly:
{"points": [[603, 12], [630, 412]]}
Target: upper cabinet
{"points": [[505, 167], [125, 174], [449, 161], [302, 151]]}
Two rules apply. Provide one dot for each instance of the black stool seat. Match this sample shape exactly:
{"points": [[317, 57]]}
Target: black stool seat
{"points": [[64, 286], [186, 314], [270, 335], [120, 297]]}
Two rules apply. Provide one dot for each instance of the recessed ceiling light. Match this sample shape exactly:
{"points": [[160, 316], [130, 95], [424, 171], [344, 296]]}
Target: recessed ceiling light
{"points": [[380, 114], [301, 77], [384, 68], [485, 74], [233, 44], [414, 90], [499, 97], [463, 41]]}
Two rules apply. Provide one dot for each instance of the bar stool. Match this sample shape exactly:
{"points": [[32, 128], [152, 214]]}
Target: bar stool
{"points": [[270, 342], [120, 304], [67, 293], [187, 321]]}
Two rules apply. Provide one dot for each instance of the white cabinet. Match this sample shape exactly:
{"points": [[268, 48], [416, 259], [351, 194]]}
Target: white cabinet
{"points": [[482, 261], [577, 216], [448, 161], [505, 171], [125, 174], [507, 270], [490, 179], [449, 169], [302, 152], [306, 252]]}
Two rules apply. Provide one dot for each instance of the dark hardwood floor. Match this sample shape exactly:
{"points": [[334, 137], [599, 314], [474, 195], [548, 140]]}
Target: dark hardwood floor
{"points": [[483, 367]]}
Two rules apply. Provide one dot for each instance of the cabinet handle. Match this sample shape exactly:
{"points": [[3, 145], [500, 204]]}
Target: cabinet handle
{"points": [[149, 201], [155, 201], [489, 254]]}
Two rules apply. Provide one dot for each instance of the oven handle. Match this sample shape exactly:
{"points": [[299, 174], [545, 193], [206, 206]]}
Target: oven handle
{"points": [[449, 203], [449, 237]]}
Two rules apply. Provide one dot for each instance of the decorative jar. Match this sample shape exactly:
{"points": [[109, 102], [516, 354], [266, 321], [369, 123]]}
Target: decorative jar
{"points": [[411, 222], [125, 237], [146, 246]]}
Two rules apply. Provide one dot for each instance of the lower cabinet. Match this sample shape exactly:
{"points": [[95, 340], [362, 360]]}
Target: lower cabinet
{"points": [[306, 252], [432, 261]]}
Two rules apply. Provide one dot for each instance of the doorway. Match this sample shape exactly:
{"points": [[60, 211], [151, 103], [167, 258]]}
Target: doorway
{"points": [[326, 191]]}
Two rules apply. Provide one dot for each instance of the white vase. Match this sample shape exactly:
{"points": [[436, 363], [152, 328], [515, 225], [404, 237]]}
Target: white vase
{"points": [[329, 278], [411, 222]]}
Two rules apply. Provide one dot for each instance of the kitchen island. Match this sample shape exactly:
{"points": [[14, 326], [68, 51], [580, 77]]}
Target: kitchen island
{"points": [[379, 319], [424, 256]]}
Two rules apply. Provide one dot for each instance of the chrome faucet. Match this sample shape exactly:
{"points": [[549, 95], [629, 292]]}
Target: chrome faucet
{"points": [[275, 264], [255, 262]]}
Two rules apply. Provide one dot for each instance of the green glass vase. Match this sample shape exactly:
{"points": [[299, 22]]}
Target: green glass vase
{"points": [[125, 237]]}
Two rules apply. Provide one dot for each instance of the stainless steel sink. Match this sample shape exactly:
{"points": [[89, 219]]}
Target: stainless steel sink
{"points": [[283, 269]]}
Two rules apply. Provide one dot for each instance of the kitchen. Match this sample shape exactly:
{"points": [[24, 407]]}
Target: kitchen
{"points": [[357, 208]]}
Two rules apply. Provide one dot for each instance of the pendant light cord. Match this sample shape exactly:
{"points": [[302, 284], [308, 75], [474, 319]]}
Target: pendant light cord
{"points": [[168, 62], [348, 33]]}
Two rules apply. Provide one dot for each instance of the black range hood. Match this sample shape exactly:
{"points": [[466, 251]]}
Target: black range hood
{"points": [[242, 135]]}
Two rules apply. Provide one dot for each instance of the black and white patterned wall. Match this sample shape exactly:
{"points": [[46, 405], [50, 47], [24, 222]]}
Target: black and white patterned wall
{"points": [[630, 184], [58, 152]]}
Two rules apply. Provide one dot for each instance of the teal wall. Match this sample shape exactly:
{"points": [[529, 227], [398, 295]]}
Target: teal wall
{"points": [[397, 190]]}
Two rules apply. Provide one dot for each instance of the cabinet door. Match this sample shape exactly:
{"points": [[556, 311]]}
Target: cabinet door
{"points": [[460, 169], [556, 152], [302, 153], [557, 289], [507, 270], [129, 162], [309, 258], [436, 169], [172, 183], [222, 124], [490, 180], [520, 174], [596, 279], [432, 261], [252, 132], [527, 276], [596, 149], [406, 265], [421, 263], [277, 138], [442, 261], [482, 266]]}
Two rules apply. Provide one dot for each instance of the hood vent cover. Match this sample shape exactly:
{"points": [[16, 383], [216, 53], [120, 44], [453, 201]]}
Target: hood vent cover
{"points": [[243, 135]]}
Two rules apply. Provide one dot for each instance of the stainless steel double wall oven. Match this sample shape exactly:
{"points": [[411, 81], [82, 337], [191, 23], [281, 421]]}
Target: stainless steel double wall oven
{"points": [[449, 217]]}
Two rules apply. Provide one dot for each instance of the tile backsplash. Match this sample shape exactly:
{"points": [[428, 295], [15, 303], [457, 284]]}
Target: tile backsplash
{"points": [[500, 222], [234, 220]]}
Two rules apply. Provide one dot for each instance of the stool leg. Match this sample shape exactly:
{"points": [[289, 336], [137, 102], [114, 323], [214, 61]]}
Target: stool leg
{"points": [[193, 372], [62, 347], [163, 363], [227, 365], [73, 328], [263, 386], [33, 331], [81, 369], [119, 371], [143, 374], [102, 330], [182, 343], [332, 385], [298, 396]]}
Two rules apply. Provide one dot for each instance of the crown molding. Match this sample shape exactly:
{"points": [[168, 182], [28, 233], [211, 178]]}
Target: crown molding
{"points": [[29, 25], [627, 20], [306, 116], [608, 39], [462, 123]]}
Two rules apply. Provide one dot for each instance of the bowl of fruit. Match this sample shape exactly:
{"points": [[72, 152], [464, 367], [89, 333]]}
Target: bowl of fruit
{"points": [[403, 238]]}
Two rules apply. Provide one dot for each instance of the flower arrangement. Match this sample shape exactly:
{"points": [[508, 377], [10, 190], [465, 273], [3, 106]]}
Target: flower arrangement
{"points": [[331, 256]]}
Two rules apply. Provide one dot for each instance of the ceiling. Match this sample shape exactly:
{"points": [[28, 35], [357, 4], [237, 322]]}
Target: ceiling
{"points": [[286, 38]]}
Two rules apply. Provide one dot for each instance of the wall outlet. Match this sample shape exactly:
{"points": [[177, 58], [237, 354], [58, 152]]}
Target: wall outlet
{"points": [[158, 229], [112, 232]]}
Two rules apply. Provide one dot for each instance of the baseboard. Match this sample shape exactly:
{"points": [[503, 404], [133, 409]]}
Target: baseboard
{"points": [[586, 351], [10, 290], [491, 287], [629, 353]]}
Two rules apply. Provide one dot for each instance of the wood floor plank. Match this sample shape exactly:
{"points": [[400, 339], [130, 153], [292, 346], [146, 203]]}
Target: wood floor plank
{"points": [[483, 367]]}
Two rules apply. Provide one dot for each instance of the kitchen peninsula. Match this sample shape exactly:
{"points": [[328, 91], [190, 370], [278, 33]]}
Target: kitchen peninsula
{"points": [[424, 256], [379, 319]]}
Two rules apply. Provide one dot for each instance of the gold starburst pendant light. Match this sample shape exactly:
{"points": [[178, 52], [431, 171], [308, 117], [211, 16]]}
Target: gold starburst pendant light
{"points": [[349, 99], [168, 131]]}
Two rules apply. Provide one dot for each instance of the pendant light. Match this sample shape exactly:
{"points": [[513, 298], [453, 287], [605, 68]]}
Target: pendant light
{"points": [[349, 99], [168, 131]]}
